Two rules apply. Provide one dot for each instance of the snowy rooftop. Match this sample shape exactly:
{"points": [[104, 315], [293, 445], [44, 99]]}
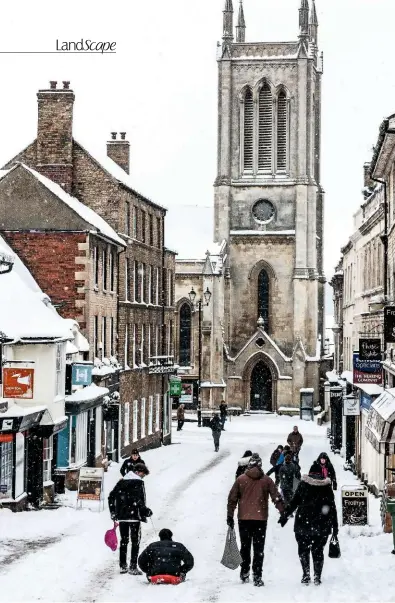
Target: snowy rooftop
{"points": [[21, 411], [91, 392]]}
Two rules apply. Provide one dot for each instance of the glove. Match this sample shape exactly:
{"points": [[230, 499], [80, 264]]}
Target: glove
{"points": [[231, 522], [113, 517], [148, 512], [283, 520]]}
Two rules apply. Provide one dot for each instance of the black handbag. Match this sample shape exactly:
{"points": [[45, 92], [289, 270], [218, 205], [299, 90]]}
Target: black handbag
{"points": [[334, 548]]}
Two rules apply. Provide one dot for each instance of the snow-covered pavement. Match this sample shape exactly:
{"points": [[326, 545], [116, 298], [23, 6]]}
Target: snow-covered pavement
{"points": [[60, 555]]}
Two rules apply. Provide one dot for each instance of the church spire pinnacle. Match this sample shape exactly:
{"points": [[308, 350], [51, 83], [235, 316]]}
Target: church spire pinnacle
{"points": [[241, 25], [313, 25], [304, 18], [228, 22]]}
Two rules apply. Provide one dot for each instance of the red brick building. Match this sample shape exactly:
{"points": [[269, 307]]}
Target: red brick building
{"points": [[145, 283]]}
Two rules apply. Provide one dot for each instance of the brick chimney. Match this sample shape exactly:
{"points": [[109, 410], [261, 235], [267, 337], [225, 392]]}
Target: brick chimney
{"points": [[55, 133], [118, 149]]}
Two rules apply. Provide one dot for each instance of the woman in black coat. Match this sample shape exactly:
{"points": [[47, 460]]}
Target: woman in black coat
{"points": [[243, 462], [316, 518], [327, 469]]}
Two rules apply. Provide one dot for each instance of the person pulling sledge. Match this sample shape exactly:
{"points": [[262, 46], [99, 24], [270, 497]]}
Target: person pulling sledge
{"points": [[166, 561]]}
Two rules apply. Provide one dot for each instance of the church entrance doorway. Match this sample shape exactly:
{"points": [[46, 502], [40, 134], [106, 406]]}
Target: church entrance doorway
{"points": [[261, 387]]}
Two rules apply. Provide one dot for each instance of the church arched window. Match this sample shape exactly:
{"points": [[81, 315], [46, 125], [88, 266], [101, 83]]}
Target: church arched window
{"points": [[282, 131], [248, 142], [263, 298], [265, 129], [185, 335]]}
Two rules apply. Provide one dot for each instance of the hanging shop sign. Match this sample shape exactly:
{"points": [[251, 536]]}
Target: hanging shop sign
{"points": [[187, 393], [389, 324], [175, 388], [81, 374], [351, 406], [18, 383], [370, 349], [90, 484], [367, 371], [355, 505]]}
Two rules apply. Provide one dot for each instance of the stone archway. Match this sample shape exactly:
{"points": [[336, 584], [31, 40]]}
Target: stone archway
{"points": [[261, 387]]}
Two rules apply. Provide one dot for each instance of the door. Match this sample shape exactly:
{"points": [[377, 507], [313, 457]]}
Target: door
{"points": [[261, 387], [91, 438]]}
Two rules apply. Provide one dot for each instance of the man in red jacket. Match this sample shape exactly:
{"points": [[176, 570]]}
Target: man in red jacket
{"points": [[250, 493]]}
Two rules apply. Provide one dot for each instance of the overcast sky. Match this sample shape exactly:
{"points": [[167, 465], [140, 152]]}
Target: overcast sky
{"points": [[161, 87]]}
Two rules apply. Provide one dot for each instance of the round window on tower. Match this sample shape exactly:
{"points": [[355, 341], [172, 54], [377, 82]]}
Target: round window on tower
{"points": [[263, 211]]}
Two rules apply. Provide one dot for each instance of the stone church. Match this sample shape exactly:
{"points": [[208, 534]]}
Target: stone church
{"points": [[262, 330]]}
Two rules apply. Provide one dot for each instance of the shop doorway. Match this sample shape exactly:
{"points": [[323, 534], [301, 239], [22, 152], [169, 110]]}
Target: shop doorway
{"points": [[261, 388]]}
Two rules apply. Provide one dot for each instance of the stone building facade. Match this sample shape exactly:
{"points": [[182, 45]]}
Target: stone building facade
{"points": [[144, 325], [263, 331]]}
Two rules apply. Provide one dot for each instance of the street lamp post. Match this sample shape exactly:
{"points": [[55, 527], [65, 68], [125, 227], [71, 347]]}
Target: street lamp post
{"points": [[202, 302]]}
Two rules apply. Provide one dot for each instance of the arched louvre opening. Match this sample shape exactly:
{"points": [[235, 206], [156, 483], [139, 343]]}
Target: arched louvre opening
{"points": [[265, 130], [185, 335], [263, 298], [248, 130], [282, 131]]}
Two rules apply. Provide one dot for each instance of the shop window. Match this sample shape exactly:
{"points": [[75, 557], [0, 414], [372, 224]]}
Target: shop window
{"points": [[142, 418], [6, 467], [78, 440], [126, 424], [47, 458]]}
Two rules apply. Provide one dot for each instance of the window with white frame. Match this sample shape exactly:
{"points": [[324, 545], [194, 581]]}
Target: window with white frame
{"points": [[157, 411], [149, 342], [149, 298], [127, 288], [112, 336], [60, 370], [136, 297], [134, 346], [95, 335], [104, 336], [150, 414], [169, 287], [47, 458], [125, 358], [166, 420], [143, 283], [134, 210], [6, 466], [142, 355], [142, 418], [111, 270], [135, 420], [95, 267], [126, 424], [98, 431], [104, 269], [78, 444], [157, 286], [157, 341]]}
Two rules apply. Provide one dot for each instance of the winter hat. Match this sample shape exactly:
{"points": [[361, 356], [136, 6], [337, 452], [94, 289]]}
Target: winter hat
{"points": [[141, 468], [315, 470], [255, 461], [135, 451], [247, 454], [165, 534]]}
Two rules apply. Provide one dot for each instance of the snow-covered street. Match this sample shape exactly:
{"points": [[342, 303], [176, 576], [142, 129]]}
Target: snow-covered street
{"points": [[60, 555]]}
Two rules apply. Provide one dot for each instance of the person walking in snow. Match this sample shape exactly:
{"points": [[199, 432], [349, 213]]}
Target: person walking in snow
{"points": [[180, 417], [316, 518], [127, 506], [130, 463], [216, 428], [276, 460], [223, 411], [250, 493], [295, 440], [287, 474], [327, 469], [243, 462], [165, 561]]}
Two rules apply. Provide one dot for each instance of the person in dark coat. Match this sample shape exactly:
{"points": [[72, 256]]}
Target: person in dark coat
{"points": [[130, 463], [287, 474], [276, 460], [327, 469], [223, 411], [166, 558], [243, 462], [295, 440], [316, 518], [180, 417], [216, 428], [127, 506], [250, 493]]}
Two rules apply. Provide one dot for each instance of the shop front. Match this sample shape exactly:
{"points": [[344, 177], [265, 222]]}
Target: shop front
{"points": [[336, 415], [380, 435], [367, 395], [21, 471]]}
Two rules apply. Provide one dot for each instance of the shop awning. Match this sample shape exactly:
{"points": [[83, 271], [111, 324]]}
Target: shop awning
{"points": [[48, 426], [370, 388], [18, 418], [84, 399], [380, 429]]}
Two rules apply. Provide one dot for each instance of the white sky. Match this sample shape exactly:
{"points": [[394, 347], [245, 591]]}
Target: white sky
{"points": [[161, 87]]}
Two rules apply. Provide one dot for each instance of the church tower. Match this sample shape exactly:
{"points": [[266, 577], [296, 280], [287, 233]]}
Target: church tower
{"points": [[269, 210]]}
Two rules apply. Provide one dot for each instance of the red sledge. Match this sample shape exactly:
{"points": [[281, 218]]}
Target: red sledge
{"points": [[165, 579]]}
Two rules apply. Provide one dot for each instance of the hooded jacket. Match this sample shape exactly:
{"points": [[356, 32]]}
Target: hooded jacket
{"points": [[276, 454], [250, 493], [242, 466], [316, 513], [166, 557], [127, 500], [330, 468], [130, 465]]}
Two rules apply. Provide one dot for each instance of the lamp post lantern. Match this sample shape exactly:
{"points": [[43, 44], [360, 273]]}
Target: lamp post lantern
{"points": [[205, 301]]}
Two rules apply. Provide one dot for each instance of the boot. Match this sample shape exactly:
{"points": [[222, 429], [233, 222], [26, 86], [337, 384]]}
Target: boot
{"points": [[258, 581], [245, 578], [306, 579], [134, 571], [305, 563], [123, 570], [317, 580]]}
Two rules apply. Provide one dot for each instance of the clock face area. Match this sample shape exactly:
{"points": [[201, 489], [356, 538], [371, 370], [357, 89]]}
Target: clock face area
{"points": [[263, 211]]}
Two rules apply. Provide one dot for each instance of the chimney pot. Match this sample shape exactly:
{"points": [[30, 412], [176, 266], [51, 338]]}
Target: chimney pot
{"points": [[114, 135], [123, 135], [53, 84], [66, 85]]}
